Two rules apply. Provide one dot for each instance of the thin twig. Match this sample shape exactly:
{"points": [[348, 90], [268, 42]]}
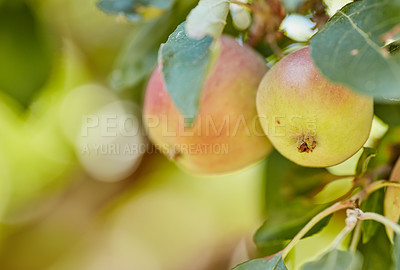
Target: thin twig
{"points": [[370, 188], [275, 48], [379, 218], [356, 237], [341, 236], [351, 221], [330, 210]]}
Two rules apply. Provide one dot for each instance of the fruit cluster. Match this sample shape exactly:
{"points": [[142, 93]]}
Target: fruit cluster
{"points": [[292, 107]]}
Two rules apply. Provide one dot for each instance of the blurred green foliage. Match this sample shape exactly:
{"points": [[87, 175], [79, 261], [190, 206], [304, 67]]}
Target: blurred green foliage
{"points": [[25, 51], [53, 215]]}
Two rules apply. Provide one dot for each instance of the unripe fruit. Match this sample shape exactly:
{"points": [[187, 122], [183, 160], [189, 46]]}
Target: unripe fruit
{"points": [[111, 142], [392, 199], [226, 135], [106, 133], [308, 119]]}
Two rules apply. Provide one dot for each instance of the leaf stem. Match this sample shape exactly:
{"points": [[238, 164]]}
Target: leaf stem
{"points": [[341, 236], [275, 48], [379, 218], [380, 184], [356, 237], [351, 222], [330, 210]]}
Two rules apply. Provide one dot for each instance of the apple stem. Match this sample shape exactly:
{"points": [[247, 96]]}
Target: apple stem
{"points": [[330, 210]]}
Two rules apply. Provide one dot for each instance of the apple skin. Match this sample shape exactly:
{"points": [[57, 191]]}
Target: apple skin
{"points": [[392, 199], [226, 135], [309, 119]]}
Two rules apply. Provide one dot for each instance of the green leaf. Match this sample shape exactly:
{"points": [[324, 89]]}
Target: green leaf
{"points": [[139, 56], [362, 164], [338, 188], [336, 260], [287, 181], [134, 10], [25, 53], [289, 189], [389, 112], [185, 66], [207, 19], [350, 48], [279, 228], [388, 150], [374, 203], [271, 263], [377, 252]]}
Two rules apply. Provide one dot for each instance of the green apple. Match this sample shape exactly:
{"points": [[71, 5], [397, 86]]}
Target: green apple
{"points": [[309, 119]]}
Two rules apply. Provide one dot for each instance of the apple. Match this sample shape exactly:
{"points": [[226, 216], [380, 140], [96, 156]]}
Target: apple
{"points": [[106, 132], [111, 143], [310, 120], [226, 135]]}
